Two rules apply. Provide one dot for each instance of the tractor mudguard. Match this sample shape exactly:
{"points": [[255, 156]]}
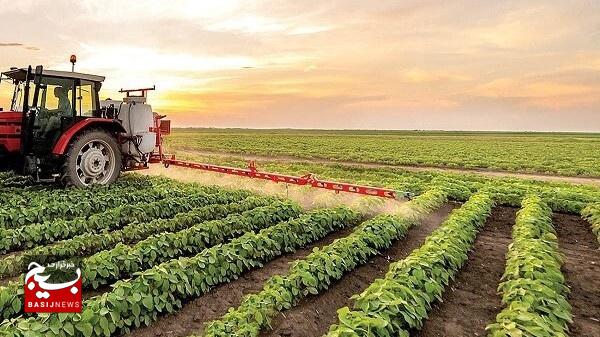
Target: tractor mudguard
{"points": [[63, 141]]}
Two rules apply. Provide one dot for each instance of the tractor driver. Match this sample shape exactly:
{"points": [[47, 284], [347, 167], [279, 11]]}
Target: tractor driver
{"points": [[63, 109]]}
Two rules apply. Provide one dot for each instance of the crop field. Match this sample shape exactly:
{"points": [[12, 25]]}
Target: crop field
{"points": [[547, 153], [467, 256], [300, 168]]}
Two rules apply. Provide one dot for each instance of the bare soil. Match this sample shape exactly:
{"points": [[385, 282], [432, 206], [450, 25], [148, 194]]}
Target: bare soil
{"points": [[191, 318], [582, 272], [582, 180], [5, 281], [471, 301], [313, 315]]}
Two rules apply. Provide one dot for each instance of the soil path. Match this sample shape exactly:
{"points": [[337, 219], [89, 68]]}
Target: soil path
{"points": [[582, 272], [595, 181], [192, 317], [5, 281], [313, 315], [471, 302]]}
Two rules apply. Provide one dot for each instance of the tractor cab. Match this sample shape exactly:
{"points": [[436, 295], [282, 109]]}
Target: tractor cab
{"points": [[50, 102]]}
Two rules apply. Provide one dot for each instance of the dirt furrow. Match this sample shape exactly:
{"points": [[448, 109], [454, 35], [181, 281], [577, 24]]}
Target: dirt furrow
{"points": [[582, 272], [471, 301], [314, 315]]}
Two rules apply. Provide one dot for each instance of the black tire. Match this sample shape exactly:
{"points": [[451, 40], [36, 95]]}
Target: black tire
{"points": [[94, 157]]}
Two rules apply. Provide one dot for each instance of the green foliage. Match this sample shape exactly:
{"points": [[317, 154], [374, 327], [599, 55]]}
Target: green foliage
{"points": [[162, 288], [566, 154], [90, 243], [9, 179], [427, 202], [456, 189], [39, 194], [122, 261], [533, 287], [399, 302], [317, 271], [36, 206], [592, 214], [160, 202]]}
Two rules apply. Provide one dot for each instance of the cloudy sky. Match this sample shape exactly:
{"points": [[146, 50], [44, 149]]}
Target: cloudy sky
{"points": [[471, 65]]}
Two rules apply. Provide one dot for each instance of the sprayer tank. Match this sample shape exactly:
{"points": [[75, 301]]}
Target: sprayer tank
{"points": [[137, 119]]}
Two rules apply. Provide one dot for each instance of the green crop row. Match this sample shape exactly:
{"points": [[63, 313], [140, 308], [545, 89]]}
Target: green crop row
{"points": [[122, 261], [90, 243], [18, 196], [153, 206], [321, 268], [592, 214], [81, 203], [6, 176], [161, 289], [399, 302], [37, 195], [9, 179], [533, 287]]}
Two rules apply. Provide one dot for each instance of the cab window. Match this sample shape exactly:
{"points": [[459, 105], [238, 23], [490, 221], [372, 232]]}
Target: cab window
{"points": [[85, 99], [57, 96], [55, 106]]}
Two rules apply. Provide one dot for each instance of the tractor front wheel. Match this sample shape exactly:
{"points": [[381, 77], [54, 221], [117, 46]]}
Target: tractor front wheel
{"points": [[93, 158]]}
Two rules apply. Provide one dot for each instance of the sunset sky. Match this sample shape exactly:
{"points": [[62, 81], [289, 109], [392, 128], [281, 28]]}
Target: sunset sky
{"points": [[469, 65]]}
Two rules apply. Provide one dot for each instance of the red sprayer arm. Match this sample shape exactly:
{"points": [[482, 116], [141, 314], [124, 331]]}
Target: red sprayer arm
{"points": [[309, 179]]}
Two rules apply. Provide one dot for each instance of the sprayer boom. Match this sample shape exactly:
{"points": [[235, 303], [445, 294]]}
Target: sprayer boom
{"points": [[306, 180]]}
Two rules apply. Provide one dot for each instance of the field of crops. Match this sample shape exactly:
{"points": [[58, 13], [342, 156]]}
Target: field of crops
{"points": [[467, 256], [561, 154]]}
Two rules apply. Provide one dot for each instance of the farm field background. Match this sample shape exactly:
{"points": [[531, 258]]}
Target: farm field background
{"points": [[570, 154], [236, 257]]}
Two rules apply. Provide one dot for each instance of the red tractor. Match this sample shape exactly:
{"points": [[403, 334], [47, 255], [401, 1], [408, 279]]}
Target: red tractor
{"points": [[58, 129]]}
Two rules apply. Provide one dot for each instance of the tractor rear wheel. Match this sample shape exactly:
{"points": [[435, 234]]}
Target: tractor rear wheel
{"points": [[93, 158]]}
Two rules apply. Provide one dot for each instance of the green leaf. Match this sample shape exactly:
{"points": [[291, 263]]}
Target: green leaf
{"points": [[104, 324], [86, 328], [147, 301], [135, 309], [16, 305], [68, 327]]}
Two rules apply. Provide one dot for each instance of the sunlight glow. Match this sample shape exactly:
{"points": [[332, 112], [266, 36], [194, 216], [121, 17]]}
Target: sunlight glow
{"points": [[379, 64]]}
